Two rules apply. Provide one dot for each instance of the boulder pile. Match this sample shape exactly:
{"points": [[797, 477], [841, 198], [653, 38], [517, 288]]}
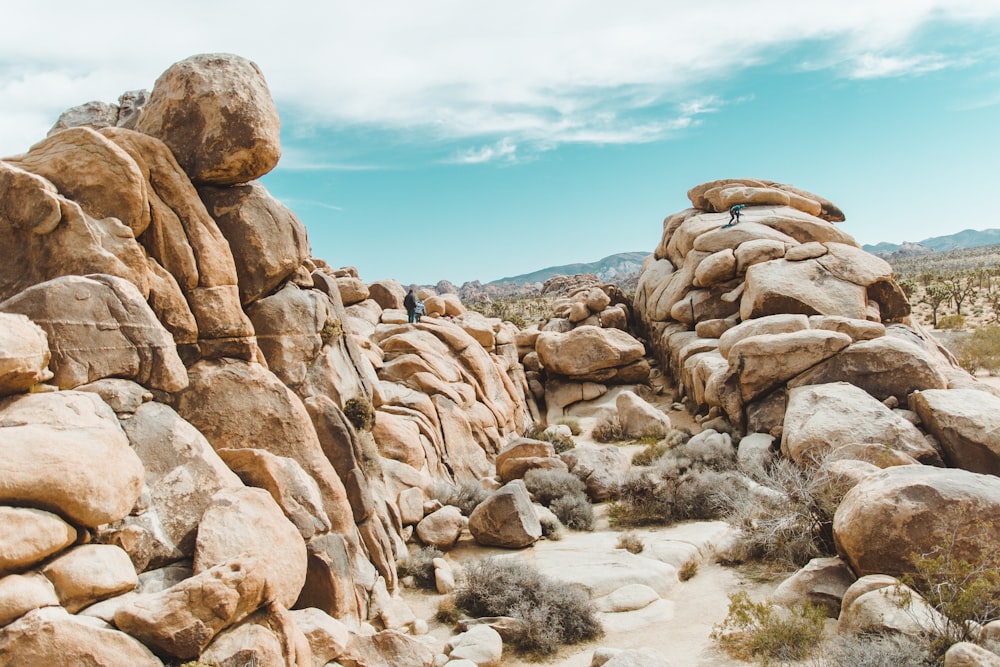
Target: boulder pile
{"points": [[211, 439]]}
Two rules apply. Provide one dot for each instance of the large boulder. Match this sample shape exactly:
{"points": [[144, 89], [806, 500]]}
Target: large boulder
{"points": [[601, 467], [506, 518], [826, 416], [766, 361], [894, 516], [20, 593], [966, 422], [637, 416], [441, 528], [24, 354], [89, 573], [100, 326], [269, 636], [216, 114], [805, 287], [28, 536], [586, 350], [268, 240], [65, 452]]}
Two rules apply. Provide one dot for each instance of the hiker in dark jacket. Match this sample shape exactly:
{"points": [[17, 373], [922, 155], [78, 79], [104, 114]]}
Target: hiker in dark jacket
{"points": [[734, 214], [410, 303]]}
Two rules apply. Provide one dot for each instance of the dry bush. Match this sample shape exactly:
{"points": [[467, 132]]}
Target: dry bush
{"points": [[765, 632], [609, 429], [420, 565], [552, 612], [688, 570], [874, 650], [572, 422], [575, 511], [561, 443], [466, 495], [631, 543], [360, 413], [564, 494], [669, 493]]}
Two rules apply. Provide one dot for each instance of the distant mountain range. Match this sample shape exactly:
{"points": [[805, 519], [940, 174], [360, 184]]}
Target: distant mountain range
{"points": [[610, 269], [968, 238]]}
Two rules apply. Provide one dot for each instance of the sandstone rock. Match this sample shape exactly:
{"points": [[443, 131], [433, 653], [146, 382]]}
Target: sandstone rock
{"points": [[822, 417], [46, 235], [399, 438], [352, 290], [858, 330], [809, 250], [756, 251], [886, 366], [763, 362], [636, 415], [28, 536], [602, 468], [93, 114], [24, 354], [122, 396], [967, 654], [411, 505], [506, 518], [822, 582], [386, 649], [627, 598], [269, 636], [183, 619], [268, 240], [333, 572], [891, 609], [614, 657], [52, 637], [442, 528], [215, 113], [65, 452], [967, 424], [296, 493], [906, 510], [719, 267], [328, 638], [387, 293], [20, 593], [587, 349], [247, 520], [480, 644], [510, 461], [754, 453], [711, 448], [773, 324], [804, 287], [98, 327], [90, 573]]}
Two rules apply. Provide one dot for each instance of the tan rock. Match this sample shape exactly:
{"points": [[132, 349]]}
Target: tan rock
{"points": [[28, 536], [810, 250], [65, 452], [636, 415], [267, 239], [719, 267], [24, 354], [331, 578], [453, 305], [122, 396], [388, 648], [269, 636], [773, 324], [181, 620], [481, 645], [49, 636], [890, 609], [388, 294], [289, 325], [442, 528], [101, 327], [858, 330], [822, 582], [90, 573], [906, 510], [248, 520], [765, 361], [967, 424], [352, 290], [748, 230], [523, 448], [780, 286], [215, 113], [411, 505], [967, 654], [20, 593], [587, 349], [823, 417], [506, 518], [601, 467], [756, 251], [328, 637]]}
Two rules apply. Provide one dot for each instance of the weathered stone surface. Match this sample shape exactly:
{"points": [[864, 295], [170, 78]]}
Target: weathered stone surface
{"points": [[388, 648], [763, 362], [411, 505], [296, 493], [858, 330], [399, 438], [247, 520], [182, 474], [352, 290], [100, 326], [267, 239], [215, 113], [773, 324], [821, 582], [906, 510], [122, 396], [636, 415], [24, 354], [45, 235], [628, 598], [890, 609], [93, 114], [886, 366], [387, 293], [967, 654], [441, 528], [804, 287], [269, 636], [184, 618], [328, 637], [587, 349], [27, 536], [826, 416], [966, 423], [288, 325], [480, 644], [506, 518], [50, 636], [601, 467], [90, 573], [65, 452], [20, 593]]}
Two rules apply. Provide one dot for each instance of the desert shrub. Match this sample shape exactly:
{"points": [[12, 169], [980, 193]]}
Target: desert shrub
{"points": [[447, 611], [547, 485], [551, 528], [668, 495], [688, 570], [874, 650], [965, 592], [981, 350], [466, 495], [951, 322], [559, 442], [762, 631], [631, 543], [574, 510], [360, 413], [652, 434], [573, 423], [420, 565], [786, 515], [552, 612], [609, 429], [332, 331], [649, 455]]}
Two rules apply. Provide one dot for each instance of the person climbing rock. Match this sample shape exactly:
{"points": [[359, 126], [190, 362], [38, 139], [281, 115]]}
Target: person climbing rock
{"points": [[734, 214], [410, 303]]}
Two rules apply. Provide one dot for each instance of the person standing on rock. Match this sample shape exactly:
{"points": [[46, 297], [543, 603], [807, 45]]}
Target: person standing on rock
{"points": [[410, 303], [734, 214]]}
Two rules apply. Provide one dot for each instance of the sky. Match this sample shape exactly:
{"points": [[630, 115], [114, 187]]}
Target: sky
{"points": [[467, 140]]}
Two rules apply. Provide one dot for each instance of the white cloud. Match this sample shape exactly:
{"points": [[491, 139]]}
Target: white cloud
{"points": [[504, 150], [454, 69]]}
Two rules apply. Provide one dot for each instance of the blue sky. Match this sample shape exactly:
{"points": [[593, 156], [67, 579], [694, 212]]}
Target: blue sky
{"points": [[461, 140]]}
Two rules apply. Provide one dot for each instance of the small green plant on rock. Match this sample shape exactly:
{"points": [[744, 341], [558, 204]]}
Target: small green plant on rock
{"points": [[332, 331], [764, 632], [360, 413]]}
